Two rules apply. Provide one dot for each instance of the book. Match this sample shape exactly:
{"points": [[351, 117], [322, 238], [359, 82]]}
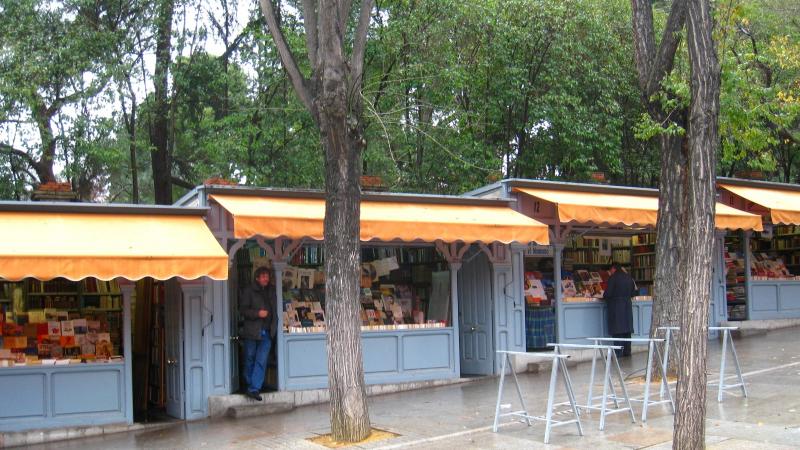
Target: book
{"points": [[54, 327], [67, 328], [80, 326], [290, 277], [305, 278], [568, 288]]}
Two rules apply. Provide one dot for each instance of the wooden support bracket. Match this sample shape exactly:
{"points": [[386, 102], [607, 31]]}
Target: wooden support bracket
{"points": [[497, 253], [234, 249], [452, 252], [281, 250]]}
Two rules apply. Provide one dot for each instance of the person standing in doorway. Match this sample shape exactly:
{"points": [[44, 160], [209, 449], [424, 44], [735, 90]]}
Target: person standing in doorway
{"points": [[257, 306], [619, 310]]}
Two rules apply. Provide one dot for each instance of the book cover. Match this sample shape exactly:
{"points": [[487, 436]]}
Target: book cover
{"points": [[67, 328], [568, 288], [290, 278], [54, 327], [80, 326], [305, 278]]}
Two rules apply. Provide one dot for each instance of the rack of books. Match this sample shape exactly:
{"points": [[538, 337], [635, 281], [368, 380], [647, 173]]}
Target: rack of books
{"points": [[397, 284], [539, 308], [60, 322], [584, 277], [585, 252], [778, 256], [643, 261], [735, 288]]}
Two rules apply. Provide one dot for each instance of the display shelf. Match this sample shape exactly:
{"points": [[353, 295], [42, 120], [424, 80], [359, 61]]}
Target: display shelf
{"points": [[53, 294]]}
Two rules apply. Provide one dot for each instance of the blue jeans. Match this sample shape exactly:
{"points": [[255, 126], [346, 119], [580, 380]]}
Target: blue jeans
{"points": [[255, 362]]}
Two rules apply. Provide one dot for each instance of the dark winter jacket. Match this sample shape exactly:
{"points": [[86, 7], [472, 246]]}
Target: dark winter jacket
{"points": [[619, 310], [252, 299]]}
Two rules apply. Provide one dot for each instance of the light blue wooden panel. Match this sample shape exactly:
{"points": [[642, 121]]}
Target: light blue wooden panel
{"points": [[195, 361], [431, 351], [642, 317], [23, 395], [582, 320], [764, 301], [389, 357], [306, 357], [81, 392], [517, 326], [774, 300], [218, 338], [41, 397], [380, 353], [196, 399], [790, 299]]}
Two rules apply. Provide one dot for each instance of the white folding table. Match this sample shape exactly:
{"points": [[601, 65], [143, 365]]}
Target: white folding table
{"points": [[611, 360], [559, 361], [652, 352]]}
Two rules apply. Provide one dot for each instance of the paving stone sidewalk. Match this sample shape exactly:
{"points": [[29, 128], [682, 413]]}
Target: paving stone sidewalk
{"points": [[460, 416]]}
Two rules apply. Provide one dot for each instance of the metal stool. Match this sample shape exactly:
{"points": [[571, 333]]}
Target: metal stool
{"points": [[607, 381], [726, 337], [651, 351], [558, 361]]}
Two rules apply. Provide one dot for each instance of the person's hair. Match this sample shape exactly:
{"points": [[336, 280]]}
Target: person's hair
{"points": [[616, 265], [261, 270]]}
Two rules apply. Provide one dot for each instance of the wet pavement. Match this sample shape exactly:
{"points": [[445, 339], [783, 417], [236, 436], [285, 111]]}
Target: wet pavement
{"points": [[460, 416]]}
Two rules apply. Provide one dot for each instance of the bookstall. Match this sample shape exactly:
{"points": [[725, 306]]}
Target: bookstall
{"points": [[592, 226], [66, 299], [763, 268], [413, 247]]}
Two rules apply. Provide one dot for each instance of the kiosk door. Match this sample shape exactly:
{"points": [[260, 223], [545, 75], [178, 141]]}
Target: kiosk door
{"points": [[475, 321]]}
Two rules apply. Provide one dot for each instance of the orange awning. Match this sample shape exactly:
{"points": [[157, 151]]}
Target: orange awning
{"points": [[47, 245], [626, 209], [783, 205], [599, 208], [729, 218], [383, 220]]}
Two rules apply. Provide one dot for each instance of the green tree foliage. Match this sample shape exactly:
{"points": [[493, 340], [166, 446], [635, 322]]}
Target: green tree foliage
{"points": [[457, 94], [469, 91], [760, 103], [759, 54], [55, 57]]}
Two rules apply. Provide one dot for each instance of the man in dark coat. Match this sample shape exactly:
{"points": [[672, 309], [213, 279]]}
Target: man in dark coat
{"points": [[257, 307], [619, 311]]}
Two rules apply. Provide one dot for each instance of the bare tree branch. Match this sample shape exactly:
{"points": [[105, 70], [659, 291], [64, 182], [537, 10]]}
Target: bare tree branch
{"points": [[652, 65], [310, 20], [10, 150], [287, 57], [344, 15], [182, 183], [643, 39], [237, 41], [360, 44], [665, 58]]}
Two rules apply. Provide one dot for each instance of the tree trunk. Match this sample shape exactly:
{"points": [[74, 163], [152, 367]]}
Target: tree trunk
{"points": [[349, 413], [689, 430], [340, 129], [653, 65], [333, 96], [667, 280], [159, 128]]}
